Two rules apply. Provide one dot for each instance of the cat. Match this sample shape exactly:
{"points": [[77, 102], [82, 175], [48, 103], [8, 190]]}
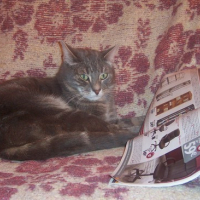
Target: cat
{"points": [[70, 113]]}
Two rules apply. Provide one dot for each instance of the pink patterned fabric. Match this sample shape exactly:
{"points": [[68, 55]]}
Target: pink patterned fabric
{"points": [[154, 37]]}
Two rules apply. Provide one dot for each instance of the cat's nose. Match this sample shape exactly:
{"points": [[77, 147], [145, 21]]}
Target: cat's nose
{"points": [[97, 91]]}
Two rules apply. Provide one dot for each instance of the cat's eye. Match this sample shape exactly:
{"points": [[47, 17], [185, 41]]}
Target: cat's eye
{"points": [[103, 76], [84, 77]]}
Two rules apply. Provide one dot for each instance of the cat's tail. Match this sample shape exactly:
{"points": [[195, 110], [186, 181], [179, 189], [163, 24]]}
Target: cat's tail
{"points": [[72, 143], [65, 145]]}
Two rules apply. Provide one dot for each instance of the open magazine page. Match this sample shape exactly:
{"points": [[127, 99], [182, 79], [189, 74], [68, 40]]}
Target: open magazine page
{"points": [[178, 93], [170, 139], [161, 172], [178, 165]]}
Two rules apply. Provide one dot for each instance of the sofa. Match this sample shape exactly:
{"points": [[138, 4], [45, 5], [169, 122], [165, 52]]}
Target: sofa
{"points": [[154, 37]]}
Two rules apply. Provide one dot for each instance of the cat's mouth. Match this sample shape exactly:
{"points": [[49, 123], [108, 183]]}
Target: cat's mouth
{"points": [[93, 96]]}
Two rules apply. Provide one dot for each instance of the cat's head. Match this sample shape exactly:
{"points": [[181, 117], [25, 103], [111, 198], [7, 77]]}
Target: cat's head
{"points": [[87, 72]]}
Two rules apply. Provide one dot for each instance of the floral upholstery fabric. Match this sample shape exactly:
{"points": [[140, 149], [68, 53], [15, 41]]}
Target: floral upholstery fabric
{"points": [[154, 37]]}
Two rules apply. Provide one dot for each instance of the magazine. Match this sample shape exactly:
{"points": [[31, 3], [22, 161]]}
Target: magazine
{"points": [[167, 150]]}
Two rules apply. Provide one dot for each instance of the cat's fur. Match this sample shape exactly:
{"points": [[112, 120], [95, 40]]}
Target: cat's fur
{"points": [[62, 115]]}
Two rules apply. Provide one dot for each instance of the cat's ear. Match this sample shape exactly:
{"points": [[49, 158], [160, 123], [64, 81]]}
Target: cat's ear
{"points": [[68, 55], [110, 54]]}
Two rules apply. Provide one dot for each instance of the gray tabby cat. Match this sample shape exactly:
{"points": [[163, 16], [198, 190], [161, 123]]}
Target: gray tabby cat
{"points": [[64, 115]]}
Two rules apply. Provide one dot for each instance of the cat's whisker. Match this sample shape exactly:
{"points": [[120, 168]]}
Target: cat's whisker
{"points": [[73, 97], [109, 93], [79, 100]]}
